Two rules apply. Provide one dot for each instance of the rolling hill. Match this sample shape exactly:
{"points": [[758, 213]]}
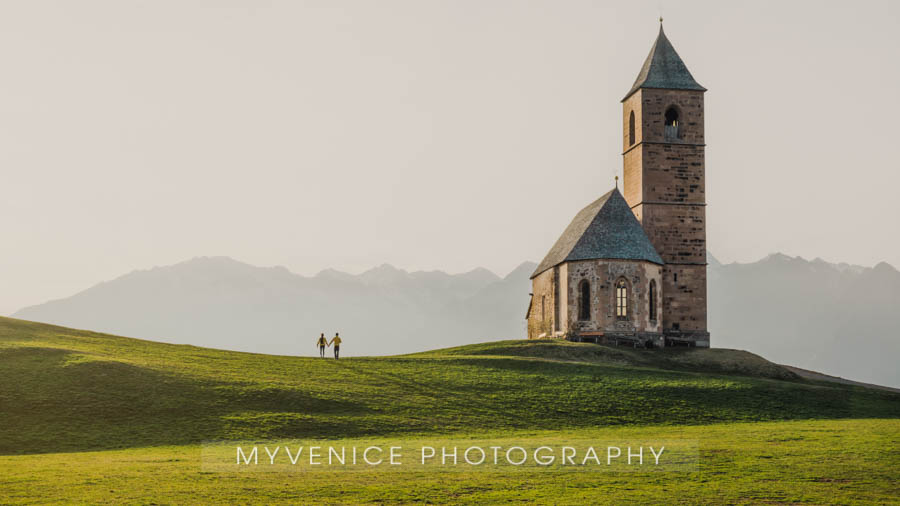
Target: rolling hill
{"points": [[94, 418], [71, 390], [790, 310]]}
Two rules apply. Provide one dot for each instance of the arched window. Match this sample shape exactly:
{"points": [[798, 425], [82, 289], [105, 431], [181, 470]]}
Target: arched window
{"points": [[621, 300], [584, 300], [671, 131], [652, 300], [631, 129]]}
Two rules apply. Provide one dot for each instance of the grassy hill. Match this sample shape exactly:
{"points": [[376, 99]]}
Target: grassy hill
{"points": [[94, 418], [71, 390]]}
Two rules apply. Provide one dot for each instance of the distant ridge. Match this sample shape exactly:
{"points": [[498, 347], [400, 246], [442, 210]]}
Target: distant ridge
{"points": [[810, 314], [219, 302]]}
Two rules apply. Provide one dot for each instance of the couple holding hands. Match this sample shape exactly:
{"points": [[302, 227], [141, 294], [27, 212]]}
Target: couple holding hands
{"points": [[336, 341]]}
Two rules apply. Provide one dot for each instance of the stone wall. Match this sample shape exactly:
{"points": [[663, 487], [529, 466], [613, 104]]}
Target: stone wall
{"points": [[665, 184], [602, 276], [564, 306], [540, 318], [684, 300], [565, 281], [678, 232]]}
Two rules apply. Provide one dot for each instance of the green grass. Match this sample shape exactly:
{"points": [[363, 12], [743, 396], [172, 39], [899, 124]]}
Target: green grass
{"points": [[89, 417], [679, 359], [811, 462], [72, 390]]}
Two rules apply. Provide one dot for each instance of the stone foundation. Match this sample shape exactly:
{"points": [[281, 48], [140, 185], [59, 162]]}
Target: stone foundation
{"points": [[632, 339]]}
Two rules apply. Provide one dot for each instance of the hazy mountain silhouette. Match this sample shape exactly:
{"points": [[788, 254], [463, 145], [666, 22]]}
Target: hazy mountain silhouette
{"points": [[222, 303], [835, 318], [839, 319]]}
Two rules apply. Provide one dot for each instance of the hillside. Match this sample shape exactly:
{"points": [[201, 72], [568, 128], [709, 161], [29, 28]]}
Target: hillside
{"points": [[676, 359], [790, 310], [68, 390]]}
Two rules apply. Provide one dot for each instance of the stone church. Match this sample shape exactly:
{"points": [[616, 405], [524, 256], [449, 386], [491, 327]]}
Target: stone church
{"points": [[631, 268]]}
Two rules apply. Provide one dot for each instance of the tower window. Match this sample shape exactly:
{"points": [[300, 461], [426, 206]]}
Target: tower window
{"points": [[631, 129], [671, 129], [621, 300], [652, 294], [584, 299]]}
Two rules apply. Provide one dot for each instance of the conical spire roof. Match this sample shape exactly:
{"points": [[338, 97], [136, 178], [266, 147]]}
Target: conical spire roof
{"points": [[664, 69], [606, 229]]}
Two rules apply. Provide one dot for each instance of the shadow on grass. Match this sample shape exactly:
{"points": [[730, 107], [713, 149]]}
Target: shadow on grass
{"points": [[54, 400], [605, 394]]}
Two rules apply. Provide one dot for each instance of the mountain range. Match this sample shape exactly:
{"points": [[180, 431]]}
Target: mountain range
{"points": [[221, 303], [840, 319], [836, 318]]}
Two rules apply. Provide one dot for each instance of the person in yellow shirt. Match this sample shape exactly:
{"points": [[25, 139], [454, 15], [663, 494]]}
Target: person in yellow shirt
{"points": [[336, 341], [322, 343]]}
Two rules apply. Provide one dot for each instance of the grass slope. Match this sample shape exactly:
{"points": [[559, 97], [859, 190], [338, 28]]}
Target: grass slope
{"points": [[65, 390], [796, 462], [678, 359]]}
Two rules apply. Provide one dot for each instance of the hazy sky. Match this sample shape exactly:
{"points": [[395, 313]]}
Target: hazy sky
{"points": [[426, 134]]}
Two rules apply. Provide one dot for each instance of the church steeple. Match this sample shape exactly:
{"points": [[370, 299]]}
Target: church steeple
{"points": [[664, 69], [665, 183]]}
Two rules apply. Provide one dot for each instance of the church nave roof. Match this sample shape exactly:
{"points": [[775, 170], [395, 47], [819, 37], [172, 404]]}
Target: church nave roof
{"points": [[605, 229]]}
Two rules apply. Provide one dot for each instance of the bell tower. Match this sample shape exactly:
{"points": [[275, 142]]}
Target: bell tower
{"points": [[664, 173]]}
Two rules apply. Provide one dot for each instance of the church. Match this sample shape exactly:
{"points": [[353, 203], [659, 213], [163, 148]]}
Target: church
{"points": [[631, 266]]}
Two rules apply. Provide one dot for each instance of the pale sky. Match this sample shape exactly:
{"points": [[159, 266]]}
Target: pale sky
{"points": [[426, 134]]}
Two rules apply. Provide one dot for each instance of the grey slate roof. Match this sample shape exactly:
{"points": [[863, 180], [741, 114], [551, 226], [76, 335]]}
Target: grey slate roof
{"points": [[605, 229], [663, 68]]}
